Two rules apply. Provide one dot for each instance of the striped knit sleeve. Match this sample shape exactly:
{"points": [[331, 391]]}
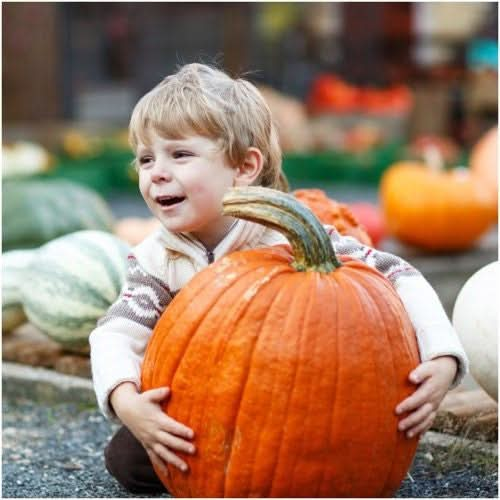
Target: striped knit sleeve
{"points": [[435, 334], [118, 343], [143, 298], [391, 266]]}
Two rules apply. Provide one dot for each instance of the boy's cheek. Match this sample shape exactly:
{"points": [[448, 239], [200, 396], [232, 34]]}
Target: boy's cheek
{"points": [[144, 189]]}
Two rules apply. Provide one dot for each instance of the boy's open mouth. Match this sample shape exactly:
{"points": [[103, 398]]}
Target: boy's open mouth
{"points": [[168, 201]]}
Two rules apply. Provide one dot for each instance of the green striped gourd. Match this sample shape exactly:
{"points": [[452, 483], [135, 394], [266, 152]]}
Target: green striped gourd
{"points": [[71, 284], [37, 211], [14, 266]]}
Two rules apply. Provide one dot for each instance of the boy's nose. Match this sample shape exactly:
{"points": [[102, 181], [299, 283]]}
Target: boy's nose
{"points": [[161, 172]]}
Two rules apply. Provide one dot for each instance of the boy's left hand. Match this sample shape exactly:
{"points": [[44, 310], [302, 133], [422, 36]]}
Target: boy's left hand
{"points": [[434, 379]]}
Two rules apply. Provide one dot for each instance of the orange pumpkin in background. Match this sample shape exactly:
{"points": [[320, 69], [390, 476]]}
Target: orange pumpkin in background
{"points": [[133, 230], [436, 210], [371, 218], [282, 363], [333, 213], [329, 93], [484, 160]]}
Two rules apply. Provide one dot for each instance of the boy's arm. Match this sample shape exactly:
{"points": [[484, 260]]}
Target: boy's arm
{"points": [[120, 338], [435, 333]]}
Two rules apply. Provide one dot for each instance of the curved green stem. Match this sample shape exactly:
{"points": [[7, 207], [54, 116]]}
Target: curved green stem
{"points": [[311, 245]]}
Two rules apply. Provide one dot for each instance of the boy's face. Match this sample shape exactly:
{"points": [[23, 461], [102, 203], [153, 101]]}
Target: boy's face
{"points": [[183, 182]]}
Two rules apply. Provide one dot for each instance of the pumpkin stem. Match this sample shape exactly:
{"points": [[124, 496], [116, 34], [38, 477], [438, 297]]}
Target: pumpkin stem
{"points": [[433, 158], [311, 245]]}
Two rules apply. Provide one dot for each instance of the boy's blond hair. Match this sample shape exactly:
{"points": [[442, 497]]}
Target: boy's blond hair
{"points": [[205, 101]]}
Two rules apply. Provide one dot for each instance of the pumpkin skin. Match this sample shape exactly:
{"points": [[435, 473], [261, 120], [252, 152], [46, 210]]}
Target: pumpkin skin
{"points": [[435, 210], [484, 161], [333, 213], [475, 318], [285, 369]]}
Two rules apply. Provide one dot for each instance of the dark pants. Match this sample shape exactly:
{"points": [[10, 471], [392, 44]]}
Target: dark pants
{"points": [[127, 461]]}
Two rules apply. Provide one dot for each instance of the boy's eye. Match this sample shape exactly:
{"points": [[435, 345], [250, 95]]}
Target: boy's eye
{"points": [[181, 154], [144, 160]]}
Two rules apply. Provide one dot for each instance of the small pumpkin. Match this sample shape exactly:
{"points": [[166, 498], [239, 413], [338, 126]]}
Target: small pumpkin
{"points": [[78, 144], [475, 318], [282, 362], [371, 218], [484, 160], [329, 93], [135, 229], [333, 213], [433, 209]]}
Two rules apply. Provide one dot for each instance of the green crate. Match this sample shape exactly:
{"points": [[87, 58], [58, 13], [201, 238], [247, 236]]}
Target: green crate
{"points": [[108, 171], [358, 168]]}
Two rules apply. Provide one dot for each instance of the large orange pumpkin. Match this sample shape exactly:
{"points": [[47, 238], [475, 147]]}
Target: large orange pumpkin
{"points": [[331, 212], [484, 160], [436, 210], [287, 366]]}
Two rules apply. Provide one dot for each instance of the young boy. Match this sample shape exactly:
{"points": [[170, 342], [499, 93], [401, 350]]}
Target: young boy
{"points": [[196, 134]]}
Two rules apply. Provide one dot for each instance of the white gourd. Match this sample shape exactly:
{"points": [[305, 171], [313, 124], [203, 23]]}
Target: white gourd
{"points": [[23, 159], [475, 318]]}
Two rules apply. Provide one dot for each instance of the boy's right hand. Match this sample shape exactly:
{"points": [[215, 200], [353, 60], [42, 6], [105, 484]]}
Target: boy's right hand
{"points": [[160, 434]]}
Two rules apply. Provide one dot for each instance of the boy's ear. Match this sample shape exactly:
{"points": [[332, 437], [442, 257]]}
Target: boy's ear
{"points": [[250, 169]]}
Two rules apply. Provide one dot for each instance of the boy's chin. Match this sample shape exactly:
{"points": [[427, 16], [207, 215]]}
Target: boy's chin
{"points": [[176, 227]]}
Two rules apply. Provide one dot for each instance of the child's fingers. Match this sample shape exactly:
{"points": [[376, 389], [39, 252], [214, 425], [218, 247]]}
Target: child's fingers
{"points": [[416, 400], [157, 461], [174, 443], [421, 372], [416, 417], [167, 423], [157, 395], [422, 426], [171, 426], [169, 457]]}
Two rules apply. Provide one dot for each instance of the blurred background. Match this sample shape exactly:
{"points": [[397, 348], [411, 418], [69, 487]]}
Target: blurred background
{"points": [[355, 88], [387, 114], [344, 77]]}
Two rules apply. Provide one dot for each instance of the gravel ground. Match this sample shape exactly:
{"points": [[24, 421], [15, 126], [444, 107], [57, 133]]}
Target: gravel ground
{"points": [[56, 451]]}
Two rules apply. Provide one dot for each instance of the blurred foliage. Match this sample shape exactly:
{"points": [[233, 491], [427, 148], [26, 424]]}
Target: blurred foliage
{"points": [[275, 18]]}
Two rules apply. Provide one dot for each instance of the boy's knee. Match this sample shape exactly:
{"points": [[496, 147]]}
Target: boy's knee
{"points": [[127, 461], [119, 465]]}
